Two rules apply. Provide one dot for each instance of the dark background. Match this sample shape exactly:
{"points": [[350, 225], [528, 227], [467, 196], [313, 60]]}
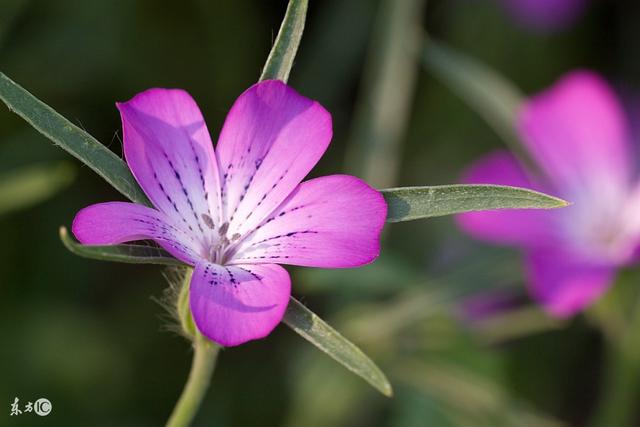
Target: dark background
{"points": [[89, 336]]}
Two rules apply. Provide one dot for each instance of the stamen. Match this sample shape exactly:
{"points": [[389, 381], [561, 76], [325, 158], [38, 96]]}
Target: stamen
{"points": [[208, 221], [223, 229], [235, 237]]}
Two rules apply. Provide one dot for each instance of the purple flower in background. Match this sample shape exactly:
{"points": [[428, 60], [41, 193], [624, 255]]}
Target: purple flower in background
{"points": [[483, 306], [578, 135], [236, 213], [545, 15]]}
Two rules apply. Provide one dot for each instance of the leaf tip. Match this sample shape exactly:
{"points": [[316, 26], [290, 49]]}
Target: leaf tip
{"points": [[557, 202], [387, 389]]}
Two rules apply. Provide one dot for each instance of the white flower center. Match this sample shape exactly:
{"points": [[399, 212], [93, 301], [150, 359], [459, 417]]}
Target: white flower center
{"points": [[220, 247], [601, 231]]}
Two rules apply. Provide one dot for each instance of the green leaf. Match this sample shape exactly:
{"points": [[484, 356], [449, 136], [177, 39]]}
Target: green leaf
{"points": [[283, 52], [297, 317], [315, 330], [71, 138], [30, 185], [409, 203], [489, 94], [130, 254], [385, 98]]}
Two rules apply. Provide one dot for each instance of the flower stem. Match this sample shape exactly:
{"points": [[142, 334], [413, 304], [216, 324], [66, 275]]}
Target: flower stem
{"points": [[382, 112], [621, 386], [205, 354], [620, 390]]}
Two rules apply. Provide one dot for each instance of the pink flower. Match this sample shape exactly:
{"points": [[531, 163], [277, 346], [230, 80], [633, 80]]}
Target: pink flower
{"points": [[236, 213], [545, 15], [577, 134]]}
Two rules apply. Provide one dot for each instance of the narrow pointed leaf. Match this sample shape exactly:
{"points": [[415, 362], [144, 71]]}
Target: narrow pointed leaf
{"points": [[409, 203], [299, 318], [489, 94], [71, 138], [284, 49], [130, 254], [30, 185], [315, 330], [302, 320], [493, 97]]}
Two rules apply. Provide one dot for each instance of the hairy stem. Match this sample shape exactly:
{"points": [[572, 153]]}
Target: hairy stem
{"points": [[205, 354]]}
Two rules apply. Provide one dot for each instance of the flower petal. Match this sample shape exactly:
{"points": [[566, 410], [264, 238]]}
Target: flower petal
{"points": [[545, 15], [235, 304], [565, 284], [169, 150], [118, 222], [529, 227], [578, 133], [271, 139], [333, 221]]}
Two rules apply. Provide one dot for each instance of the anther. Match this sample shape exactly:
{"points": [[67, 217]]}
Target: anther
{"points": [[223, 229], [208, 221]]}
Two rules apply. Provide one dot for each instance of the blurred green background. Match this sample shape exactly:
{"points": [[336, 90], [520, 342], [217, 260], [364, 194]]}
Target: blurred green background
{"points": [[89, 335]]}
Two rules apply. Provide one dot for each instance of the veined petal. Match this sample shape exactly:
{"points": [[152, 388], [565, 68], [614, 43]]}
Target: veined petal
{"points": [[577, 132], [235, 304], [563, 283], [112, 223], [169, 150], [333, 221], [271, 139], [528, 227]]}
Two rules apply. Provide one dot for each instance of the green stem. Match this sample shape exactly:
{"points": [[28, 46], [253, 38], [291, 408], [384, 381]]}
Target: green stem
{"points": [[204, 361], [205, 352], [622, 373], [493, 97], [382, 112], [618, 402], [284, 49]]}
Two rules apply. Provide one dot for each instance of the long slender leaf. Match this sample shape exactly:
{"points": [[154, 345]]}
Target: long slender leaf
{"points": [[130, 254], [405, 203], [30, 185], [409, 203], [70, 138], [298, 317], [315, 330], [489, 94], [283, 52], [492, 96], [385, 97]]}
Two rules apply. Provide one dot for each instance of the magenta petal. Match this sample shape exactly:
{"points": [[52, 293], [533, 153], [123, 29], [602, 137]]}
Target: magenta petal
{"points": [[564, 284], [235, 304], [333, 221], [271, 139], [545, 15], [118, 222], [169, 150], [528, 227], [577, 132]]}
